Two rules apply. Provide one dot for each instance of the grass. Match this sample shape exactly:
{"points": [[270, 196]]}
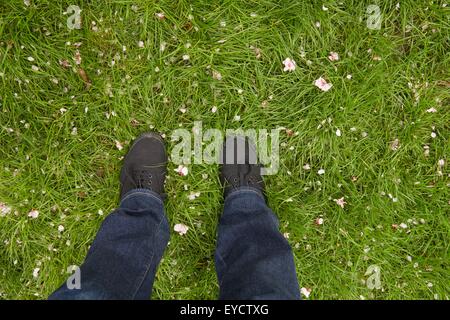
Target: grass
{"points": [[69, 177]]}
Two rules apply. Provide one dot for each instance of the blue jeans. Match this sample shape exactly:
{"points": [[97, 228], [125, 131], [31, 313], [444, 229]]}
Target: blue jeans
{"points": [[253, 259]]}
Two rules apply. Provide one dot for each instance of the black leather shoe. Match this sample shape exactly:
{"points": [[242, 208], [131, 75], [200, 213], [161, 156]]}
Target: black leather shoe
{"points": [[239, 165], [145, 165]]}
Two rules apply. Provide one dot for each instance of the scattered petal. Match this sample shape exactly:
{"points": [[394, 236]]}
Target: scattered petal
{"points": [[322, 84], [182, 170], [395, 145], [216, 75], [193, 195], [321, 171], [36, 272], [289, 64], [77, 57], [338, 132], [318, 221], [119, 145], [60, 228], [432, 110], [305, 292], [160, 15], [340, 202], [4, 209], [334, 56], [181, 228], [33, 214]]}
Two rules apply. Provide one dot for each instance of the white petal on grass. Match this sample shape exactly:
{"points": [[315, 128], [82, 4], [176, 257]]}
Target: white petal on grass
{"points": [[36, 272], [338, 132], [321, 171], [340, 202], [322, 84], [334, 56], [289, 64], [160, 15], [119, 145], [33, 214], [193, 195], [182, 170], [182, 229], [4, 209], [305, 292], [216, 75], [60, 228]]}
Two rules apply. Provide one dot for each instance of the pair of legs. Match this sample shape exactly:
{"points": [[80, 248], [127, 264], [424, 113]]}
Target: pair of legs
{"points": [[253, 260]]}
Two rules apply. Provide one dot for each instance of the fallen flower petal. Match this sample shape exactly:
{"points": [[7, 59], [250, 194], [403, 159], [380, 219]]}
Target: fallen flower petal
{"points": [[305, 292], [182, 170], [119, 145], [322, 84], [334, 56], [340, 202], [180, 228], [289, 64], [33, 214]]}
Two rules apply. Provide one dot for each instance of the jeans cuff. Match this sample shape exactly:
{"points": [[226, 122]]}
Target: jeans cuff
{"points": [[245, 190], [140, 193]]}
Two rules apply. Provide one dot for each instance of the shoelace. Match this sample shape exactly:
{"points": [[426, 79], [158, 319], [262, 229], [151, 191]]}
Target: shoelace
{"points": [[245, 177], [143, 178]]}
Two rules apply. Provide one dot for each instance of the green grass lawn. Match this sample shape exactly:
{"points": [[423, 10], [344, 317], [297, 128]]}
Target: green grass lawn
{"points": [[59, 135]]}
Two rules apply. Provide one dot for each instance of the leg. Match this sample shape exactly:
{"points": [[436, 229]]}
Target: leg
{"points": [[253, 259], [122, 261]]}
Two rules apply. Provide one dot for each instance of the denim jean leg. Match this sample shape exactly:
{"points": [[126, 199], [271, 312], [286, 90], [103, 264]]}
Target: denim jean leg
{"points": [[122, 261], [253, 259]]}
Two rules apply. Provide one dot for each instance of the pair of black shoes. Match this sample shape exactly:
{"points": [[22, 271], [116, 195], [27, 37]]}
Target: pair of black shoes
{"points": [[145, 165]]}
